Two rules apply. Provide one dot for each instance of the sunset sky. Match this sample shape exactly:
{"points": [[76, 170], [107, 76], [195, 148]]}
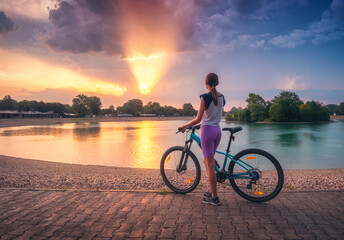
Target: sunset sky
{"points": [[161, 50]]}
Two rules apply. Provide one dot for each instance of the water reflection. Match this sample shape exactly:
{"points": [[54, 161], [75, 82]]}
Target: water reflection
{"points": [[259, 133], [85, 131], [33, 131], [145, 148], [312, 137], [289, 140]]}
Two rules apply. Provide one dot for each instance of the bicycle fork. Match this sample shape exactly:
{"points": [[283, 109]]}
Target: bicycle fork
{"points": [[182, 164]]}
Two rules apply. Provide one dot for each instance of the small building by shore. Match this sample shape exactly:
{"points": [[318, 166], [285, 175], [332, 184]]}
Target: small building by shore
{"points": [[27, 114]]}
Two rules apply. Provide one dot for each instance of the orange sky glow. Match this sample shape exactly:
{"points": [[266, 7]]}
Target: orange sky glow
{"points": [[22, 71]]}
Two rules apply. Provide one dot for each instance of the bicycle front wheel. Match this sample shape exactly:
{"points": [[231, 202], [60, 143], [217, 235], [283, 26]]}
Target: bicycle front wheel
{"points": [[265, 179], [180, 169]]}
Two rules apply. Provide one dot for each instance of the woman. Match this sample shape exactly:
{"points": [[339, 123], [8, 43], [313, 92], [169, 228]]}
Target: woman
{"points": [[209, 114]]}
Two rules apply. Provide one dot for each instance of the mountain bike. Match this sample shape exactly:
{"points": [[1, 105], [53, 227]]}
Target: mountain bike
{"points": [[253, 173]]}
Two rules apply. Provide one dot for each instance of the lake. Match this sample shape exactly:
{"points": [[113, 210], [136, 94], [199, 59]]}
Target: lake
{"points": [[142, 143]]}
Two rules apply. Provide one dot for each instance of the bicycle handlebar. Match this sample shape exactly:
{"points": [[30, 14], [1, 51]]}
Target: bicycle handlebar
{"points": [[193, 128]]}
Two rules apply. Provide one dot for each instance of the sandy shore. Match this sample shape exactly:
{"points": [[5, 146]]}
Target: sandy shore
{"points": [[5, 122], [35, 174]]}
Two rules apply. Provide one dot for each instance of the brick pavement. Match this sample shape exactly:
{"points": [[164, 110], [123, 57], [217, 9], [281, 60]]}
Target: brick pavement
{"points": [[69, 214]]}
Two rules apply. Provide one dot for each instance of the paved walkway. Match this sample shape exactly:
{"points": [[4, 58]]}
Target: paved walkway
{"points": [[54, 214]]}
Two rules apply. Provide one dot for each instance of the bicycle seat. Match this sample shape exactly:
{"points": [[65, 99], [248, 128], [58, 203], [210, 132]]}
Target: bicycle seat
{"points": [[232, 130]]}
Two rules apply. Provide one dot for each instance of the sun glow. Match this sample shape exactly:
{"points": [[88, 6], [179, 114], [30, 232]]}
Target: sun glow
{"points": [[20, 71], [148, 70], [149, 42]]}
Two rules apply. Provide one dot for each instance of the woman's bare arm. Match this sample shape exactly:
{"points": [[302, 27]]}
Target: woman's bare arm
{"points": [[199, 116]]}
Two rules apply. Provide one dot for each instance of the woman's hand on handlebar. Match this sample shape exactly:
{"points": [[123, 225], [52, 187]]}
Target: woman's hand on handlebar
{"points": [[181, 129]]}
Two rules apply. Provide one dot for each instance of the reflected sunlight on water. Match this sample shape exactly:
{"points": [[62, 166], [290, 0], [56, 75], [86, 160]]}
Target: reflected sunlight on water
{"points": [[146, 149]]}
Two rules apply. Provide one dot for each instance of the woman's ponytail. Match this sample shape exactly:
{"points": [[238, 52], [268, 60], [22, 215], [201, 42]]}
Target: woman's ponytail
{"points": [[212, 80], [214, 95]]}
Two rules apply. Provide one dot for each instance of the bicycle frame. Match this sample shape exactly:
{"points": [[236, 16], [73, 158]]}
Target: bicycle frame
{"points": [[248, 175]]}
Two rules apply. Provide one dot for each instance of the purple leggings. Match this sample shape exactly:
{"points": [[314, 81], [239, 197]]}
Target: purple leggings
{"points": [[210, 139]]}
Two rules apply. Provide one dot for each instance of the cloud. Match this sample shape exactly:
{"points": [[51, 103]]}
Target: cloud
{"points": [[6, 24], [251, 41], [265, 7], [117, 27], [27, 9], [111, 26], [329, 28], [295, 38], [294, 83], [220, 22], [77, 30]]}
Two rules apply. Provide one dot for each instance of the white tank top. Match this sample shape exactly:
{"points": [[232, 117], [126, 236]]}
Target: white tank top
{"points": [[212, 114]]}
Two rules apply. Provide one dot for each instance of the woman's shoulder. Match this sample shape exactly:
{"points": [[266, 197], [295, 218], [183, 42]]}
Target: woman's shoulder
{"points": [[206, 95]]}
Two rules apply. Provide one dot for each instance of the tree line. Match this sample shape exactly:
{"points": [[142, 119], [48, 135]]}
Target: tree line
{"points": [[136, 107], [285, 107], [83, 105], [8, 103]]}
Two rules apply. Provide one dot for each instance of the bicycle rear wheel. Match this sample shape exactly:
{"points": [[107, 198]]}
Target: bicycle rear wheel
{"points": [[268, 179], [180, 169]]}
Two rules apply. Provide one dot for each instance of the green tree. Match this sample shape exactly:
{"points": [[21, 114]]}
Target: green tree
{"points": [[93, 104], [41, 107], [285, 107], [133, 106], [109, 111], [268, 105], [188, 110], [276, 113], [306, 112], [67, 108], [244, 115], [56, 107], [257, 107], [34, 105], [258, 112], [229, 116], [80, 105], [255, 99], [152, 108], [340, 109], [169, 110], [24, 105], [332, 108], [233, 114], [7, 103], [313, 112]]}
